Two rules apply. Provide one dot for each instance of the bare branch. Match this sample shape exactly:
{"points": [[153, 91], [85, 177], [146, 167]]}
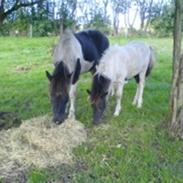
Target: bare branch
{"points": [[19, 5]]}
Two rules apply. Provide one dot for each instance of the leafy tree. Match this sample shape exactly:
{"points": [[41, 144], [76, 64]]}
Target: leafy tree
{"points": [[37, 20], [67, 12], [93, 14], [163, 18], [42, 19], [119, 7], [145, 10], [99, 21], [7, 7]]}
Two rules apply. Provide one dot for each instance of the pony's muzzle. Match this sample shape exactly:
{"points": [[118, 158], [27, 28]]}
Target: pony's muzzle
{"points": [[97, 120], [58, 120]]}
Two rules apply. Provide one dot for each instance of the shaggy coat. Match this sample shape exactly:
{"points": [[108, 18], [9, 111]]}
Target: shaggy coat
{"points": [[118, 64], [75, 54]]}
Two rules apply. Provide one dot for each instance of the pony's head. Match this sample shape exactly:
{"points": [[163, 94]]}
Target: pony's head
{"points": [[59, 90], [98, 94]]}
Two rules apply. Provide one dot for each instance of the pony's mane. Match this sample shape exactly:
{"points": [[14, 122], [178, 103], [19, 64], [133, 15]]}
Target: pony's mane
{"points": [[100, 86]]}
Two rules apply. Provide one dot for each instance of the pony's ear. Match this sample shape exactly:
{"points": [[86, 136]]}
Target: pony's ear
{"points": [[96, 67], [69, 75], [49, 76], [88, 91], [60, 66], [77, 71], [106, 93]]}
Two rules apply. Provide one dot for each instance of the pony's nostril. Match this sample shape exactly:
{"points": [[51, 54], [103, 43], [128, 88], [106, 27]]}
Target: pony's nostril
{"points": [[58, 120], [97, 121]]}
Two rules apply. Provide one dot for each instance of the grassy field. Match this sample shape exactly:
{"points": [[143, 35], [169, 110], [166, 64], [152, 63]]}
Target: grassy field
{"points": [[131, 148]]}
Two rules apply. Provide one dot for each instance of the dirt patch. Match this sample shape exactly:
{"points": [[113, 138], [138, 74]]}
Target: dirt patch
{"points": [[25, 68], [38, 143], [9, 120]]}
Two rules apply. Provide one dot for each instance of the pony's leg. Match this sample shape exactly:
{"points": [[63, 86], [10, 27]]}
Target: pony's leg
{"points": [[112, 90], [141, 90], [136, 96], [119, 93], [72, 96]]}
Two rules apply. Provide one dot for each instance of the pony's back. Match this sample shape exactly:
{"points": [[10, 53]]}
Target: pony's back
{"points": [[93, 44], [68, 49], [128, 60]]}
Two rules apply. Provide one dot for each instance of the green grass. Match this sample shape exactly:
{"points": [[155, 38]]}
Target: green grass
{"points": [[132, 148]]}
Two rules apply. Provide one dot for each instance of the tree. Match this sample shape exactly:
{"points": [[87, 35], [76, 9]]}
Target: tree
{"points": [[67, 12], [176, 125], [118, 7], [105, 4], [42, 18], [163, 18], [145, 10], [36, 20], [127, 16], [7, 7]]}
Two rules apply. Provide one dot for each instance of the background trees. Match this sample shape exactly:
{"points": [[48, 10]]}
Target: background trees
{"points": [[163, 18], [44, 17], [7, 7]]}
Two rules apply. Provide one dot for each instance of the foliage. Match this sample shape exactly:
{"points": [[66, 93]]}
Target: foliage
{"points": [[67, 12], [119, 7], [98, 21], [8, 7], [46, 17], [39, 17], [162, 22]]}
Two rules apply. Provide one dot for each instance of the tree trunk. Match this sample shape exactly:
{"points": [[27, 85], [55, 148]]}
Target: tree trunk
{"points": [[116, 24], [17, 5], [30, 33], [176, 125], [2, 18], [149, 16], [142, 23]]}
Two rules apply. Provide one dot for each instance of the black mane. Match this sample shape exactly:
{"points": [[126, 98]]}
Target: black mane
{"points": [[93, 44]]}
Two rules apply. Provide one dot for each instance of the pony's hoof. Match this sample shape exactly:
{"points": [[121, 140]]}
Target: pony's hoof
{"points": [[139, 106], [116, 114], [58, 122], [71, 117], [134, 102]]}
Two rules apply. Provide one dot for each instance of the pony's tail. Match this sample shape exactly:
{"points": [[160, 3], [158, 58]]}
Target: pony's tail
{"points": [[151, 61]]}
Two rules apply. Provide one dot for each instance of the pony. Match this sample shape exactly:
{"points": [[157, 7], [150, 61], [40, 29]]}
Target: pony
{"points": [[116, 67], [75, 53]]}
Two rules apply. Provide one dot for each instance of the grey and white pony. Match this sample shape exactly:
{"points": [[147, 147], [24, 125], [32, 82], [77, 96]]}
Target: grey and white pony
{"points": [[75, 53], [118, 64]]}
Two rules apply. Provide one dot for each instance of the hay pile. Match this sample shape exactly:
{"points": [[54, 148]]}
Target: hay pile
{"points": [[39, 143]]}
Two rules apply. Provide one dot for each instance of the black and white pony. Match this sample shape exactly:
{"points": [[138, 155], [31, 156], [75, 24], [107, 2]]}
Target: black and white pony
{"points": [[118, 64], [75, 53]]}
